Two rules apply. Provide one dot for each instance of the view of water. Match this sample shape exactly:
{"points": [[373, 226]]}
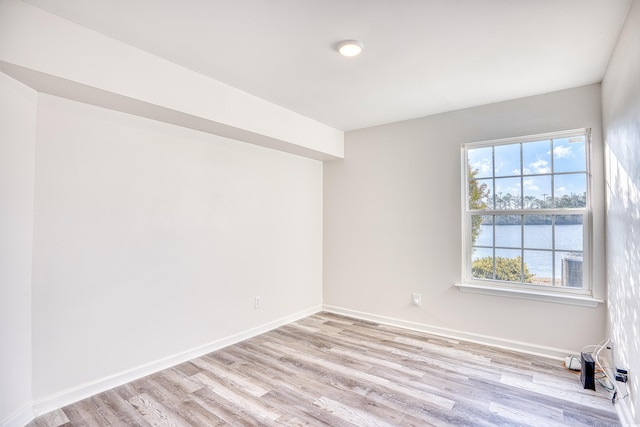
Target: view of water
{"points": [[538, 241]]}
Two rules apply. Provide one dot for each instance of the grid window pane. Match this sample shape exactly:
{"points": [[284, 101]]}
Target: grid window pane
{"points": [[539, 265], [569, 154], [482, 229], [537, 191], [507, 160], [480, 194], [508, 195], [508, 265], [481, 160], [569, 269], [538, 232], [508, 231], [536, 157], [570, 190], [482, 266], [569, 232], [507, 184]]}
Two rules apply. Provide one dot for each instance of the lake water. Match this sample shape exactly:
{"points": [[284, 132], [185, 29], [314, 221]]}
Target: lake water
{"points": [[538, 242]]}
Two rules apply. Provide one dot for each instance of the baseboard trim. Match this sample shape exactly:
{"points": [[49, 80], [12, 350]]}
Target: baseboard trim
{"points": [[19, 418], [519, 346], [75, 394]]}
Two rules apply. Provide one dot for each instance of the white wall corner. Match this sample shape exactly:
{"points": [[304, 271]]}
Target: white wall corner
{"points": [[19, 418], [18, 107]]}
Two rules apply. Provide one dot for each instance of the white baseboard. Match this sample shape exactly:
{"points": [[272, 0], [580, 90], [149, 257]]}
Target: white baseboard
{"points": [[75, 394], [19, 418], [519, 346], [69, 396]]}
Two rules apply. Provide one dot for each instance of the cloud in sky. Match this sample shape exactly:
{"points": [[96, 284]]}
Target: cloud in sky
{"points": [[562, 152], [539, 166], [530, 185], [483, 165], [508, 186]]}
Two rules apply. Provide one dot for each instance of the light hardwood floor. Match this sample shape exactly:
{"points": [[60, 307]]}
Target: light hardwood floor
{"points": [[333, 370]]}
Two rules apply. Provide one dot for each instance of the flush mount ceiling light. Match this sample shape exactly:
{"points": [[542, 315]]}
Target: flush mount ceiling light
{"points": [[350, 48]]}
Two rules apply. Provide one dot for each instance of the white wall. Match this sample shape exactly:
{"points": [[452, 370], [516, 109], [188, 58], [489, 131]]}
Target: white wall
{"points": [[392, 224], [147, 237], [152, 240], [17, 146], [621, 121]]}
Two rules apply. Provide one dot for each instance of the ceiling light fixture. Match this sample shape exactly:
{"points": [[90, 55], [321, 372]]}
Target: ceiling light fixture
{"points": [[350, 48]]}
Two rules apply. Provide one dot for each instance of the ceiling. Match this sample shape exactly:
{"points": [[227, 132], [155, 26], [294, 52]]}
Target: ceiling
{"points": [[421, 57]]}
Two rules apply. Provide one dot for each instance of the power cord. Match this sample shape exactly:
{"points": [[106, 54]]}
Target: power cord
{"points": [[612, 385], [603, 378]]}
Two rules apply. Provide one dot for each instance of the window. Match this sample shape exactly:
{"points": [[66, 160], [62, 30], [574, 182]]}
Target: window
{"points": [[526, 215]]}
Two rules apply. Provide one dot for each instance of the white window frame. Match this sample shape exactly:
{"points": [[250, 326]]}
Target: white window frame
{"points": [[576, 296]]}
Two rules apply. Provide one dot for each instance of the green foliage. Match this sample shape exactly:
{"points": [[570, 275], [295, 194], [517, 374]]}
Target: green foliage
{"points": [[477, 196], [507, 269]]}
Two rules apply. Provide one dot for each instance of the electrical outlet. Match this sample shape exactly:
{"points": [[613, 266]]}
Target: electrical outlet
{"points": [[257, 303], [622, 375], [416, 299]]}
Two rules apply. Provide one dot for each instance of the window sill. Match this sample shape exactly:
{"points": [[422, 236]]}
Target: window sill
{"points": [[580, 300]]}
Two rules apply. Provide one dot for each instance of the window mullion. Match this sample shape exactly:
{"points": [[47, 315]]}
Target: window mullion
{"points": [[522, 278]]}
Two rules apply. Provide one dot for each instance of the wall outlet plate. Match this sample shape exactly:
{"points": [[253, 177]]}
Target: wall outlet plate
{"points": [[416, 299]]}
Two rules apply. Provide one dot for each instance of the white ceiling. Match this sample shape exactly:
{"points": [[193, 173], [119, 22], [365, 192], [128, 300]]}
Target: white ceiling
{"points": [[421, 57]]}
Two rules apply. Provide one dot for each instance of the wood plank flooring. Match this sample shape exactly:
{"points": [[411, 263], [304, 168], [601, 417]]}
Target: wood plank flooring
{"points": [[333, 370]]}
